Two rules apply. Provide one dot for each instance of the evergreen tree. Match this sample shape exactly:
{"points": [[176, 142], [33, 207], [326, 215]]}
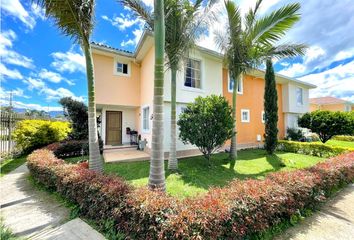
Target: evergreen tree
{"points": [[270, 109]]}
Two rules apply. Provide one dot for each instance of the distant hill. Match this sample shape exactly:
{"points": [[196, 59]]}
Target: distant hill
{"points": [[51, 113]]}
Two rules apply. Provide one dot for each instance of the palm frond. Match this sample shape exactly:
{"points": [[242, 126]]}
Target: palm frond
{"points": [[73, 18], [272, 28], [140, 10], [287, 50]]}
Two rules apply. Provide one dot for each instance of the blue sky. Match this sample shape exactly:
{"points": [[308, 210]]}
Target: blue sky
{"points": [[39, 65]]}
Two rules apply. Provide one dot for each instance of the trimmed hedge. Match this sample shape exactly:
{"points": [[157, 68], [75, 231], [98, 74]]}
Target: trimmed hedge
{"points": [[72, 148], [32, 134], [346, 138], [240, 210], [311, 148]]}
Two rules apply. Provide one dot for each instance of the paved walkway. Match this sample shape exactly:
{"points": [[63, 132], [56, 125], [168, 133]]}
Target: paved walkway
{"points": [[335, 221], [35, 214]]}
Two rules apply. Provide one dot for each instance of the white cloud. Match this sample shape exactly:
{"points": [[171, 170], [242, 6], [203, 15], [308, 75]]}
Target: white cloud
{"points": [[337, 82], [38, 11], [293, 70], [56, 94], [34, 83], [8, 55], [53, 76], [123, 22], [344, 54], [127, 43], [5, 94], [16, 10], [314, 53], [10, 73], [69, 61]]}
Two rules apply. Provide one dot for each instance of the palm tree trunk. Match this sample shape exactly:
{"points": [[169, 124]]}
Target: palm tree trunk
{"points": [[157, 170], [95, 162], [172, 161], [233, 147]]}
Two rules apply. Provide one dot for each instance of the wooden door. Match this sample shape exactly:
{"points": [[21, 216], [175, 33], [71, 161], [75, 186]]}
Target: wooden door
{"points": [[113, 128]]}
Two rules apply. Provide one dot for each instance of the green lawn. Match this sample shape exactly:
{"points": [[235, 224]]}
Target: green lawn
{"points": [[337, 143], [11, 164], [196, 177]]}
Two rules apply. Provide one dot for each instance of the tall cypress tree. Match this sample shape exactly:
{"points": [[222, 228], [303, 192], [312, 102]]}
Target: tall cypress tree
{"points": [[270, 109]]}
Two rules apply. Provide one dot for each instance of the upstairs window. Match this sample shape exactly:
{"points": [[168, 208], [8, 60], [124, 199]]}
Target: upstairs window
{"points": [[122, 68], [239, 87], [193, 73], [245, 115], [263, 117], [146, 121], [299, 96]]}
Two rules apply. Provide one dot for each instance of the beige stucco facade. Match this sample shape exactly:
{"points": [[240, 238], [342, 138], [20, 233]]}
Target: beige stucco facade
{"points": [[132, 93]]}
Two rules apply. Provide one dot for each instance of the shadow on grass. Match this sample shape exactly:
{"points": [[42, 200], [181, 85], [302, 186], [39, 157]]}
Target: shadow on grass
{"points": [[11, 164], [194, 171]]}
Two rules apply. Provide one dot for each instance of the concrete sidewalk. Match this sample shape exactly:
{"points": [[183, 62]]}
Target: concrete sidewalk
{"points": [[335, 221], [34, 214]]}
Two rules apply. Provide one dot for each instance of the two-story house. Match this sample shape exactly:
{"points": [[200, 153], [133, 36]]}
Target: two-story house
{"points": [[330, 104], [124, 94]]}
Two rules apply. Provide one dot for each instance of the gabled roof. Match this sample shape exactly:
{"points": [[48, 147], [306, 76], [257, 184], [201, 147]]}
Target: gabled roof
{"points": [[327, 100]]}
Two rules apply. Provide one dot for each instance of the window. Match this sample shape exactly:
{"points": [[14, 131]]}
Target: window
{"points": [[193, 73], [146, 120], [263, 117], [122, 68], [239, 87], [299, 96], [245, 115]]}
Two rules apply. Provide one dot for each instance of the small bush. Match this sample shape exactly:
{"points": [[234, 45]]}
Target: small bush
{"points": [[328, 124], [32, 134], [315, 149], [294, 134], [241, 210], [346, 138], [206, 123]]}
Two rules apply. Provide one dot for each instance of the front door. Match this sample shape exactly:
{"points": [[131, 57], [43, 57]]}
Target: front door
{"points": [[113, 128]]}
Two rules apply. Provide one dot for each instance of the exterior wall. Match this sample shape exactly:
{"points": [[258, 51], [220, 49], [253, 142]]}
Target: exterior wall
{"points": [[333, 107], [146, 92], [128, 120], [289, 99], [112, 89], [314, 107], [252, 99], [211, 75]]}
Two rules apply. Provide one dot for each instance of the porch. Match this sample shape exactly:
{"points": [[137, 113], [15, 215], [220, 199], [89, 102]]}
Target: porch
{"points": [[124, 153]]}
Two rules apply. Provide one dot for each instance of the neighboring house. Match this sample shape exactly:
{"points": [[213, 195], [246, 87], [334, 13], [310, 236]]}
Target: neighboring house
{"points": [[331, 104], [124, 94]]}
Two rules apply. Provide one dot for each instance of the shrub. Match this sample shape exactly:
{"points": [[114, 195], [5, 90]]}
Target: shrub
{"points": [[315, 149], [206, 123], [294, 134], [328, 124], [344, 138], [72, 148], [270, 109], [240, 210], [76, 112], [32, 134]]}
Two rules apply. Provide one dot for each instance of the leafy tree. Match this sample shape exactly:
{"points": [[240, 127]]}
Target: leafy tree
{"points": [[75, 19], [206, 123], [76, 112], [248, 43], [270, 109], [183, 21], [328, 124]]}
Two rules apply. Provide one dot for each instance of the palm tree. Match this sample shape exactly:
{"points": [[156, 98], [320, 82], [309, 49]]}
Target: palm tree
{"points": [[249, 41], [183, 21], [75, 19]]}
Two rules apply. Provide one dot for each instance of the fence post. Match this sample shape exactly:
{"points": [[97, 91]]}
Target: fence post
{"points": [[10, 131]]}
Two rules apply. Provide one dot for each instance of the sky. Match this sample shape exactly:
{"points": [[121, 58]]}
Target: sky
{"points": [[39, 65]]}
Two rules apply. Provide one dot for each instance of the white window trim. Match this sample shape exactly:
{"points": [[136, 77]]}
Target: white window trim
{"points": [[142, 119], [249, 115], [193, 89], [263, 114], [302, 96], [115, 72], [241, 85]]}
